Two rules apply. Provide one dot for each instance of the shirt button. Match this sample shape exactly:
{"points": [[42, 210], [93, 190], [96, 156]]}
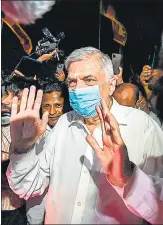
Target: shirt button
{"points": [[79, 203], [85, 171]]}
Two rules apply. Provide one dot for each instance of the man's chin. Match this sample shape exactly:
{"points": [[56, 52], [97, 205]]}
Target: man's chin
{"points": [[52, 123]]}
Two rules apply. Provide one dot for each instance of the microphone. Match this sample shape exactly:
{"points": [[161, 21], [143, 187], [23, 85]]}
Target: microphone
{"points": [[26, 12]]}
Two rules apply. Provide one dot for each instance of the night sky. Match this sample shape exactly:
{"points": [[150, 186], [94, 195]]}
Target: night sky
{"points": [[79, 20]]}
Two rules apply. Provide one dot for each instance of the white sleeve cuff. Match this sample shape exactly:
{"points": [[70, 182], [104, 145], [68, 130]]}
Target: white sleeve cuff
{"points": [[21, 161]]}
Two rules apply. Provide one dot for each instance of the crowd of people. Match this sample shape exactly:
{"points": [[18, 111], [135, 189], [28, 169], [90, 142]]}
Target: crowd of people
{"points": [[82, 146]]}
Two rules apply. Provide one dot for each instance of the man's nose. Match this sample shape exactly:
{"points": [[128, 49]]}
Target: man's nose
{"points": [[7, 101], [52, 110]]}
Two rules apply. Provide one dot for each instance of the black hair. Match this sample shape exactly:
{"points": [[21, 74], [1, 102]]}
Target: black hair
{"points": [[51, 84], [17, 83]]}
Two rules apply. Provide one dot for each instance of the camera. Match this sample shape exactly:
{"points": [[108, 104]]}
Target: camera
{"points": [[50, 43]]}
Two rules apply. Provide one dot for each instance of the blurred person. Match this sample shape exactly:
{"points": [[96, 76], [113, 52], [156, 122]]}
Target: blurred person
{"points": [[13, 208], [60, 73], [129, 95], [155, 101], [119, 77], [126, 94], [145, 75], [152, 83], [142, 103], [90, 170], [55, 102]]}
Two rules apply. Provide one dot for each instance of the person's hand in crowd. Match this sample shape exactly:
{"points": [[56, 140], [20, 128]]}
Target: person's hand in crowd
{"points": [[61, 76], [142, 104], [26, 125], [145, 75], [119, 77], [46, 57], [16, 72], [113, 157]]}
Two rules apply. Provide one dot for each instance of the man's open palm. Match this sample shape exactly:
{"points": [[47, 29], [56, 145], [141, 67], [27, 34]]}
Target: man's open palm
{"points": [[26, 125]]}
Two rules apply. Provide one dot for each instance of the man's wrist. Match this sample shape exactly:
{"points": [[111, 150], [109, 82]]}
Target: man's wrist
{"points": [[123, 180], [19, 150]]}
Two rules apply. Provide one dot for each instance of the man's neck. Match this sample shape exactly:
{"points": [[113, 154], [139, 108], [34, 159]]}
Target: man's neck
{"points": [[92, 123]]}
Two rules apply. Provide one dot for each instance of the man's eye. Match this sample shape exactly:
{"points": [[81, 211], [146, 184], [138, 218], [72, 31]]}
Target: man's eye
{"points": [[46, 106], [71, 83], [58, 105], [90, 81]]}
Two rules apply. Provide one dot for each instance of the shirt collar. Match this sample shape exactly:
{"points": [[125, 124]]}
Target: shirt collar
{"points": [[77, 119], [48, 128], [116, 110]]}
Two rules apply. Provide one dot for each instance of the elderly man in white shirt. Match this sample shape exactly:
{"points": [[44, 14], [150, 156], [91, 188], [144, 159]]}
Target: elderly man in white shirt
{"points": [[103, 162]]}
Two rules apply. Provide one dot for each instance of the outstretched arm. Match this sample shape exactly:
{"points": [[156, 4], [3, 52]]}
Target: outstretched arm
{"points": [[140, 192]]}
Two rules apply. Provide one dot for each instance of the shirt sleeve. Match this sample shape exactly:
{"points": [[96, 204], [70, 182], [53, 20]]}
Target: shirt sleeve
{"points": [[143, 193], [28, 174], [35, 209]]}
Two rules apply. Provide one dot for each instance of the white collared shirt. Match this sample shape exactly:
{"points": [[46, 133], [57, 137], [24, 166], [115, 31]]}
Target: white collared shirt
{"points": [[154, 116], [79, 192], [35, 207]]}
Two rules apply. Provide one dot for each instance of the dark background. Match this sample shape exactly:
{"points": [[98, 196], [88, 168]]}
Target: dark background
{"points": [[79, 19]]}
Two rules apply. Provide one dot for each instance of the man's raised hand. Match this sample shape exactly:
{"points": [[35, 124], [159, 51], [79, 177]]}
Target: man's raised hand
{"points": [[26, 125], [113, 156]]}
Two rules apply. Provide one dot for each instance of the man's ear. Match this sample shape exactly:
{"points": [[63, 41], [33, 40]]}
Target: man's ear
{"points": [[112, 85]]}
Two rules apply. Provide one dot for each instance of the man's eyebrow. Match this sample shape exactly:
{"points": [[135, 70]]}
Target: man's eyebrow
{"points": [[71, 78], [86, 76]]}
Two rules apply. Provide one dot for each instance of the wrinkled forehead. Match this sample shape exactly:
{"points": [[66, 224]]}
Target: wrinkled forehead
{"points": [[83, 67]]}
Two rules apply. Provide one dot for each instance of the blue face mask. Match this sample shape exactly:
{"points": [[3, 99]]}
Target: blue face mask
{"points": [[84, 100]]}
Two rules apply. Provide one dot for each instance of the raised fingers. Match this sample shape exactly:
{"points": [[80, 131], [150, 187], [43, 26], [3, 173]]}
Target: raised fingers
{"points": [[31, 97], [24, 99], [112, 121], [104, 113], [38, 101], [114, 127], [93, 143], [14, 106], [101, 119], [104, 107]]}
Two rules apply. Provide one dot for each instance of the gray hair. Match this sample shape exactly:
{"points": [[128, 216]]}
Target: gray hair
{"points": [[101, 58]]}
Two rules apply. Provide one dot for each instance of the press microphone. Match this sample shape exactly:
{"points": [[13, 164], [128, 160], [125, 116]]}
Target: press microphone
{"points": [[26, 12]]}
